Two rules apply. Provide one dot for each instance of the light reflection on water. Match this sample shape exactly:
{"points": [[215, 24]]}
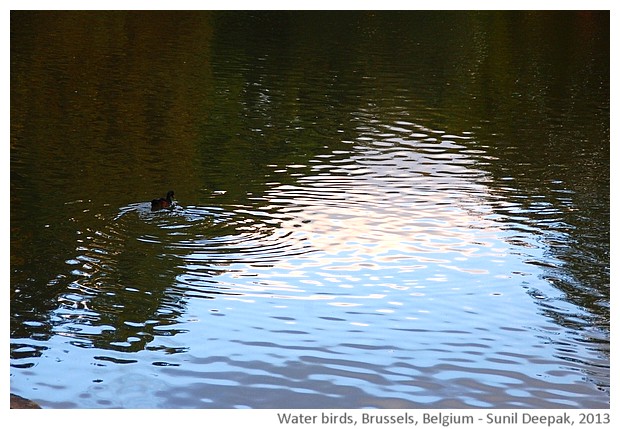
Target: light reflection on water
{"points": [[384, 277], [386, 264]]}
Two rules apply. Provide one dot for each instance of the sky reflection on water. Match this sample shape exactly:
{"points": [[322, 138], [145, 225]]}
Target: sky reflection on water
{"points": [[359, 226]]}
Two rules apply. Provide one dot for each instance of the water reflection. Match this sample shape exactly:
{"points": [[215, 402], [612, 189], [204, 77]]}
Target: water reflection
{"points": [[394, 227]]}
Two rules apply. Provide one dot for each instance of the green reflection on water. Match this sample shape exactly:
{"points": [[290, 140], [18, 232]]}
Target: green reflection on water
{"points": [[112, 108]]}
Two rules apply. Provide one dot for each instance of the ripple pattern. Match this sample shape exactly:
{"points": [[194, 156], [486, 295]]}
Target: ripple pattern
{"points": [[379, 279], [391, 227]]}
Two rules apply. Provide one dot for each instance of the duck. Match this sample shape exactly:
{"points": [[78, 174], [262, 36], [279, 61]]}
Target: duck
{"points": [[163, 203]]}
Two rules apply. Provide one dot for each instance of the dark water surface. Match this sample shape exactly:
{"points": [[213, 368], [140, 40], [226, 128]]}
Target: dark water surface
{"points": [[376, 209]]}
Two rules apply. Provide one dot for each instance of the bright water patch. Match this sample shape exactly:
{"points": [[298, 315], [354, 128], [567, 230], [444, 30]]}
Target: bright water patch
{"points": [[383, 277]]}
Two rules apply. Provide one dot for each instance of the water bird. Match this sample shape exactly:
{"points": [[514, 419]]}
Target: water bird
{"points": [[163, 203]]}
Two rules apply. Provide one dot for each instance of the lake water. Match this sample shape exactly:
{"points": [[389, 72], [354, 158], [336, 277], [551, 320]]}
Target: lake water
{"points": [[375, 209]]}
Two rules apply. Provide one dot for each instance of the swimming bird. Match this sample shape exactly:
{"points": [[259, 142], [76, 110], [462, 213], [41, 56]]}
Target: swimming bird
{"points": [[163, 203]]}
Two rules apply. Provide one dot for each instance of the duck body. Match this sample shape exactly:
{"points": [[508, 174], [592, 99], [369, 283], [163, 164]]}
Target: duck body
{"points": [[163, 203]]}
